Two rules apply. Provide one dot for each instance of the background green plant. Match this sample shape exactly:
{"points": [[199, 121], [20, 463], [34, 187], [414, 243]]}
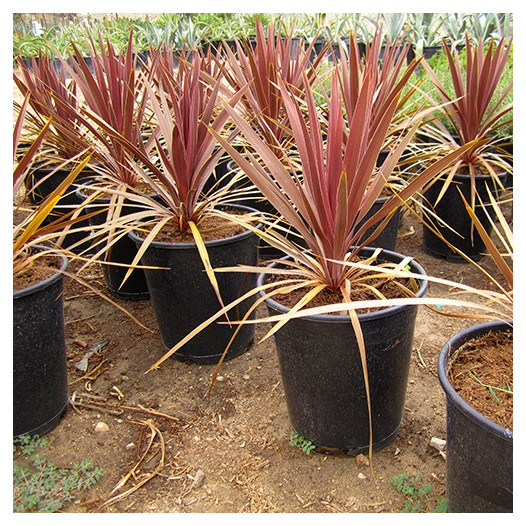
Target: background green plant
{"points": [[38, 485], [197, 28]]}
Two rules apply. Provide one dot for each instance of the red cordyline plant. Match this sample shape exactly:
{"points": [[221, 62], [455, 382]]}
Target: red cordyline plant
{"points": [[113, 97], [51, 96], [185, 108], [337, 187], [338, 184], [386, 67], [470, 110], [256, 66]]}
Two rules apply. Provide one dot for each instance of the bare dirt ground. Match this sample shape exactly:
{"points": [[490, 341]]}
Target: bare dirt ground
{"points": [[231, 452]]}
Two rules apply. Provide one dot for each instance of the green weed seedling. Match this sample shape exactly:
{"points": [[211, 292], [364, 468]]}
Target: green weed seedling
{"points": [[38, 485], [298, 441], [417, 494]]}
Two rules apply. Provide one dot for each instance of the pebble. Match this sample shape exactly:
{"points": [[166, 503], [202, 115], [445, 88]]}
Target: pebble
{"points": [[362, 460], [246, 377], [437, 443], [361, 476], [198, 479], [101, 427], [220, 378]]}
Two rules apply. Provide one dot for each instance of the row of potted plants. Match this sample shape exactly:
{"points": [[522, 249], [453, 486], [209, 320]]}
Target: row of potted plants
{"points": [[192, 30], [320, 148]]}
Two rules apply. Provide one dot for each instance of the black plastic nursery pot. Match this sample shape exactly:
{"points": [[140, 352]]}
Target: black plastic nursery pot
{"points": [[222, 174], [479, 452], [323, 378], [42, 182], [122, 252], [182, 296], [451, 210], [388, 236], [40, 383]]}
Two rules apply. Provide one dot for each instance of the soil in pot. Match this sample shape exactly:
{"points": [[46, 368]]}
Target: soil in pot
{"points": [[183, 297], [40, 387], [481, 372], [323, 379], [479, 451]]}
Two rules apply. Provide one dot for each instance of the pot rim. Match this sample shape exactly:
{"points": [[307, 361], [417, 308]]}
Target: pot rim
{"points": [[500, 175], [211, 243], [442, 363], [32, 289], [343, 318], [100, 200]]}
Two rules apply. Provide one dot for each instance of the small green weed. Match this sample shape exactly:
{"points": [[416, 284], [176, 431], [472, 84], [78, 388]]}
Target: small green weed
{"points": [[298, 441], [417, 494], [38, 485]]}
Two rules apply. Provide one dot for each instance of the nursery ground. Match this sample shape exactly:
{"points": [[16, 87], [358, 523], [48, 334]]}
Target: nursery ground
{"points": [[230, 452]]}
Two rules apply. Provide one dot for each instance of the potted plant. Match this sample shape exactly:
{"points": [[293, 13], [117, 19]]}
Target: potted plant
{"points": [[473, 112], [255, 70], [475, 370], [118, 80], [40, 385], [343, 390], [180, 236], [53, 97], [425, 32], [390, 76], [455, 26], [40, 389]]}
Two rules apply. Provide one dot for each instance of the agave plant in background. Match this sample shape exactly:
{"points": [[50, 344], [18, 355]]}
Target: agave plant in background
{"points": [[392, 25], [182, 233], [475, 112], [338, 386], [426, 32], [455, 25], [490, 26]]}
